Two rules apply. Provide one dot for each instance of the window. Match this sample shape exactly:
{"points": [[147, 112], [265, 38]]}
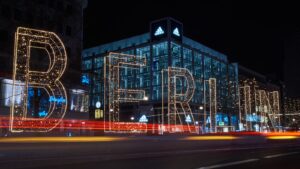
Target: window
{"points": [[176, 54], [160, 61], [207, 67], [187, 58], [198, 77], [98, 62], [145, 53]]}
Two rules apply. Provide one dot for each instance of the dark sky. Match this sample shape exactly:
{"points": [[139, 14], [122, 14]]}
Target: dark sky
{"points": [[252, 33]]}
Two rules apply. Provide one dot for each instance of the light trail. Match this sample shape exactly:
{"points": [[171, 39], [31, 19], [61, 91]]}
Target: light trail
{"points": [[195, 138], [60, 139], [282, 137], [70, 125]]}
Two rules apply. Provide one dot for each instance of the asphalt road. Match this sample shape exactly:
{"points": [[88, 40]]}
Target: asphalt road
{"points": [[153, 153]]}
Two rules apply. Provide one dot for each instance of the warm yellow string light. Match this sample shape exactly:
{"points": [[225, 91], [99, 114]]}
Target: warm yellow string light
{"points": [[256, 101], [178, 103], [113, 94], [213, 103], [25, 39]]}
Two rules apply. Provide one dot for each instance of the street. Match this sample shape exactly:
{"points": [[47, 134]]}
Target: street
{"points": [[174, 152]]}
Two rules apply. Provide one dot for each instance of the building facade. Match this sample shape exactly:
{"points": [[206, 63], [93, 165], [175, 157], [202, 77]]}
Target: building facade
{"points": [[166, 46]]}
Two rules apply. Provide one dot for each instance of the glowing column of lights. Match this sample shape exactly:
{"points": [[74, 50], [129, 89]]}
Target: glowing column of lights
{"points": [[276, 107], [113, 94], [204, 107], [263, 106], [248, 106], [258, 109], [178, 103], [25, 39], [213, 103], [267, 108], [245, 106], [240, 112]]}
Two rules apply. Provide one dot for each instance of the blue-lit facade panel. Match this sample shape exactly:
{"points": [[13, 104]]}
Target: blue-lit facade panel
{"points": [[159, 62], [159, 56]]}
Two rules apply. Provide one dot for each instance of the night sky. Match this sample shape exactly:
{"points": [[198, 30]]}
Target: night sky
{"points": [[253, 34]]}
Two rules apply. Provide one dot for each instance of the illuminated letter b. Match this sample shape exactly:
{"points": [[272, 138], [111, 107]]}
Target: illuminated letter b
{"points": [[23, 76]]}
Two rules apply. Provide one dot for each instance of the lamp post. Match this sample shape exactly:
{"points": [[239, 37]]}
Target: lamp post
{"points": [[201, 112]]}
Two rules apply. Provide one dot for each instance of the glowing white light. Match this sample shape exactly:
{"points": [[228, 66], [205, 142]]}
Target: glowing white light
{"points": [[98, 104], [176, 32], [188, 119], [77, 91], [143, 119], [159, 31]]}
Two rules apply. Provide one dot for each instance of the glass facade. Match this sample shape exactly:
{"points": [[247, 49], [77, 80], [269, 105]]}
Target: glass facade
{"points": [[159, 62], [202, 62]]}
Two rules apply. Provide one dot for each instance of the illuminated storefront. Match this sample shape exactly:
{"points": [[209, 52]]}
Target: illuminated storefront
{"points": [[79, 100], [166, 46]]}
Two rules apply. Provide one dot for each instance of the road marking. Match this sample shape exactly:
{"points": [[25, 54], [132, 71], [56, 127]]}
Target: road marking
{"points": [[229, 164], [280, 155]]}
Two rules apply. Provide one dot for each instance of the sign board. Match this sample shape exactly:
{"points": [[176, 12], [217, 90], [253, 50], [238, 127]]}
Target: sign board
{"points": [[221, 123], [98, 113]]}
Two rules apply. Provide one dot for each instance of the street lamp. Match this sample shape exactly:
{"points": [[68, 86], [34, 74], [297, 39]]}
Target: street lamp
{"points": [[201, 107]]}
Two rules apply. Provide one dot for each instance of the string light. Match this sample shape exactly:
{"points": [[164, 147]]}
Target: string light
{"points": [[178, 103], [258, 104], [276, 107], [269, 106], [213, 103], [113, 93], [26, 39], [246, 106]]}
